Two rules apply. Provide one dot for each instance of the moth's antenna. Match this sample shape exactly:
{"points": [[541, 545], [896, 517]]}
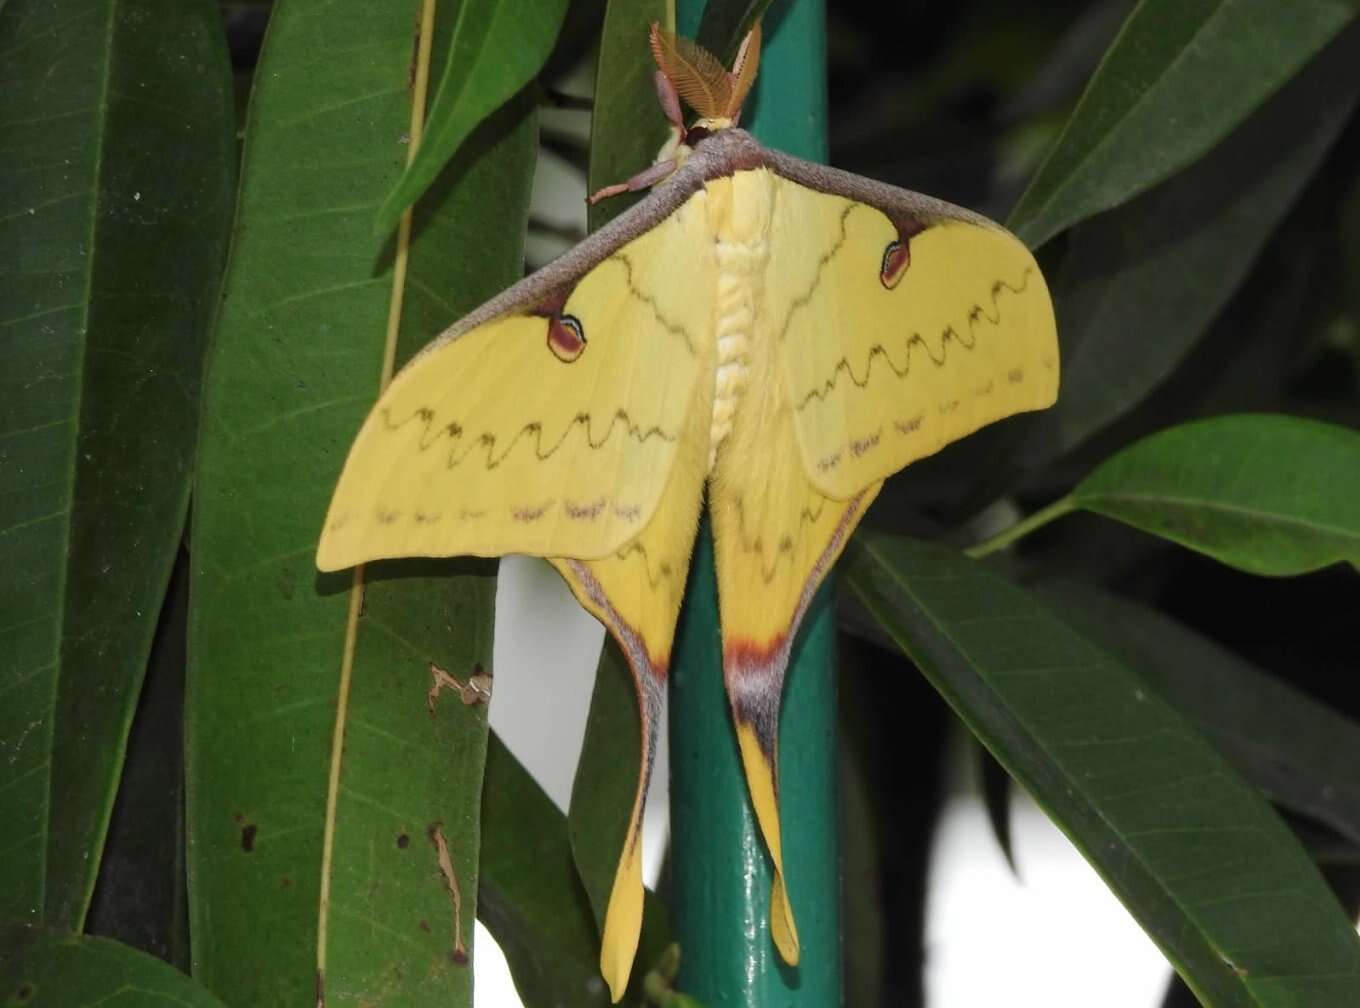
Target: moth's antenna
{"points": [[696, 73], [743, 73]]}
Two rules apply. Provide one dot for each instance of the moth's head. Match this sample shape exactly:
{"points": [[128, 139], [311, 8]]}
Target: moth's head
{"points": [[698, 77]]}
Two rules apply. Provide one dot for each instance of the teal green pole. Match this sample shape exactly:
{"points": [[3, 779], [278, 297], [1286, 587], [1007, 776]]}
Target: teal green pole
{"points": [[720, 870]]}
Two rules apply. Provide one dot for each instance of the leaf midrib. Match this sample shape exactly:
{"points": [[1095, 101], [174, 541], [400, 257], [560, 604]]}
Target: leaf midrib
{"points": [[1224, 507]]}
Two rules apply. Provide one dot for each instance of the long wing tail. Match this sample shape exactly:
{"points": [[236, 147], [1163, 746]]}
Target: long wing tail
{"points": [[636, 594], [775, 539]]}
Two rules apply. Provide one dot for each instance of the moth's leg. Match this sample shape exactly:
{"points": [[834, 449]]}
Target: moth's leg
{"points": [[667, 160], [649, 176]]}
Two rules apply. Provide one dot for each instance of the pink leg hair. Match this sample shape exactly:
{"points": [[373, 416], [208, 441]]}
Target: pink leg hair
{"points": [[669, 101], [647, 177]]}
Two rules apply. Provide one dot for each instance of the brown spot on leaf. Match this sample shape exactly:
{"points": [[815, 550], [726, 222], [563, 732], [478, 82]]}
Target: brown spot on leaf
{"points": [[248, 837], [435, 831], [24, 992], [476, 690], [403, 841], [425, 925]]}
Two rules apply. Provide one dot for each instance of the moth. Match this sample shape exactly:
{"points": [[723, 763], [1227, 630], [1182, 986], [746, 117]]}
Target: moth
{"points": [[770, 335]]}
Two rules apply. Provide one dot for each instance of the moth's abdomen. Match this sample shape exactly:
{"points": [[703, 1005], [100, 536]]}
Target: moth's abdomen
{"points": [[741, 251]]}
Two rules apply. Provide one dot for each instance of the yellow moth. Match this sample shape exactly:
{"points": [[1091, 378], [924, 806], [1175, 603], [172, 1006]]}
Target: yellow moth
{"points": [[774, 334]]}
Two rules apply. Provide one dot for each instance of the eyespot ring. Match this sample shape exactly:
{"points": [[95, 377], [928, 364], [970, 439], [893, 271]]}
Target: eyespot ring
{"points": [[896, 259], [566, 337]]}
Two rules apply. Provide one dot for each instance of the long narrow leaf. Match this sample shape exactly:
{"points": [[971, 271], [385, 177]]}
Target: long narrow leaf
{"points": [[115, 196], [1141, 285], [531, 899], [627, 127], [1267, 494], [140, 897], [329, 794], [1180, 76], [1300, 753], [1194, 853], [606, 778], [48, 968], [496, 49]]}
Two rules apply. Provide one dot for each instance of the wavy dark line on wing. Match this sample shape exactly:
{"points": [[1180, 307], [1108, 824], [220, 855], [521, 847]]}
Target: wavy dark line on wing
{"points": [[454, 432], [975, 315]]}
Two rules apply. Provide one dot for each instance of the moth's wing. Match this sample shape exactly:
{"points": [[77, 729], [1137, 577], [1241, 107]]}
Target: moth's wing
{"points": [[902, 323], [547, 422], [636, 593], [775, 537]]}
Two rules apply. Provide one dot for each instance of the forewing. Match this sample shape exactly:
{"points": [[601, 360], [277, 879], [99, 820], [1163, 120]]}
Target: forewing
{"points": [[901, 324], [549, 428]]}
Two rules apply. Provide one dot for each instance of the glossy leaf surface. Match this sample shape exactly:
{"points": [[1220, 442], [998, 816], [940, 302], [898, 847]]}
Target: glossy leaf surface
{"points": [[1269, 494], [1195, 854], [47, 968], [1178, 78], [281, 658], [1300, 753], [1140, 286], [115, 199], [533, 900], [496, 49]]}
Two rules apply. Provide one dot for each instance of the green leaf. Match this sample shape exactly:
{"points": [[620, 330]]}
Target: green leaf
{"points": [[606, 778], [299, 353], [48, 968], [115, 198], [1179, 77], [1141, 285], [140, 896], [1194, 853], [627, 127], [497, 48], [1268, 494], [862, 884], [1300, 753], [531, 898], [602, 800], [995, 785], [724, 25]]}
